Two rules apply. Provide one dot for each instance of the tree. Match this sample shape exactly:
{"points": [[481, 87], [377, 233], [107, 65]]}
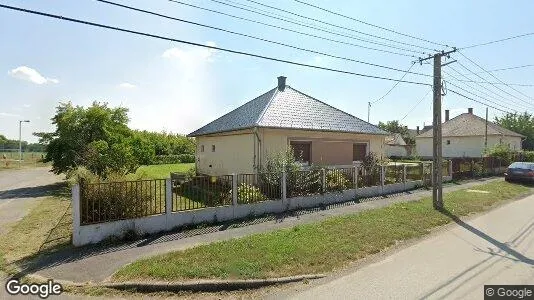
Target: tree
{"points": [[96, 137], [520, 123], [396, 127]]}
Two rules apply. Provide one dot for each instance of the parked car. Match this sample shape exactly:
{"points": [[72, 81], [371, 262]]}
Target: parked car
{"points": [[520, 171]]}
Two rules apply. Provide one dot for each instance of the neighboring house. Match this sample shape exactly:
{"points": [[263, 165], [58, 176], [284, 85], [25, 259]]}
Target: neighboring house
{"points": [[396, 146], [464, 136], [242, 140]]}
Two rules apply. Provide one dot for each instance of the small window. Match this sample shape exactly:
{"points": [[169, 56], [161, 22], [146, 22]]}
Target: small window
{"points": [[448, 142], [212, 148], [359, 151], [202, 148], [301, 151]]}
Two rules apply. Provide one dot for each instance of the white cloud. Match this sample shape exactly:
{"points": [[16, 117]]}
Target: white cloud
{"points": [[3, 114], [26, 105], [191, 55], [126, 85], [31, 75]]}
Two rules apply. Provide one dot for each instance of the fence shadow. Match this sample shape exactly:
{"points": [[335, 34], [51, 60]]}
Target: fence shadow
{"points": [[500, 245]]}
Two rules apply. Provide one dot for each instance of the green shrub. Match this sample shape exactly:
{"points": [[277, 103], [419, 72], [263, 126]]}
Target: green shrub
{"points": [[528, 156], [247, 193], [336, 181], [502, 152]]}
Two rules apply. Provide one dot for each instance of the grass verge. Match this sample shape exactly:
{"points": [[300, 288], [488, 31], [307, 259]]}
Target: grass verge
{"points": [[163, 171], [318, 247], [46, 227]]}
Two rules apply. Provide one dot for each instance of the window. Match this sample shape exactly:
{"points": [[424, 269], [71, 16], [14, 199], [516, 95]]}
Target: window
{"points": [[212, 148], [448, 142], [202, 148], [359, 151], [302, 151]]}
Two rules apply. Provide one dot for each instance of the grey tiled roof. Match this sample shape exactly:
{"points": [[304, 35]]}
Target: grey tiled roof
{"points": [[288, 109], [470, 125]]}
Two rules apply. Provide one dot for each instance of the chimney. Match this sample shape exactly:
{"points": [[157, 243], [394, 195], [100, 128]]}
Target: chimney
{"points": [[470, 110], [417, 130], [281, 83], [446, 115]]}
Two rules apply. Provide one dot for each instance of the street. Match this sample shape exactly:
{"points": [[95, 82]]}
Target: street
{"points": [[495, 248], [19, 190]]}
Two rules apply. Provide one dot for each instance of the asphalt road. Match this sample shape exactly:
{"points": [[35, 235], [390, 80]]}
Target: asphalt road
{"points": [[19, 190], [495, 248]]}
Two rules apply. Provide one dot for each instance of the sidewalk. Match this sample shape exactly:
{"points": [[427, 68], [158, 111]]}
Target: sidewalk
{"points": [[95, 264]]}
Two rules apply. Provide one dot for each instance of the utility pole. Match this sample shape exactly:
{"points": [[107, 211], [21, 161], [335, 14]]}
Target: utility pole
{"points": [[486, 133], [437, 179], [368, 111], [20, 139]]}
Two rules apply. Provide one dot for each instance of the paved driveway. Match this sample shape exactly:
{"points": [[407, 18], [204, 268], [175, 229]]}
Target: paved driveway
{"points": [[19, 190]]}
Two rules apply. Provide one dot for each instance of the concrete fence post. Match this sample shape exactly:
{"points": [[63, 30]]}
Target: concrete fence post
{"points": [[323, 181], [432, 174], [355, 177], [450, 168], [76, 221], [382, 175], [168, 196], [284, 185], [404, 170], [234, 189]]}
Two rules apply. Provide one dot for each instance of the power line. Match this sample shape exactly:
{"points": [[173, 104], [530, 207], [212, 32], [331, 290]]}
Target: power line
{"points": [[477, 90], [480, 85], [499, 40], [369, 24], [256, 38], [320, 29], [34, 12], [469, 98], [498, 83], [334, 25], [393, 87], [418, 102], [483, 103], [287, 29], [510, 68], [492, 75]]}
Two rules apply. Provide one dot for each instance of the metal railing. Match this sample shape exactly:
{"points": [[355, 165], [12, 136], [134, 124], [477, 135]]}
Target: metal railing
{"points": [[252, 188], [111, 201], [304, 183], [339, 179], [369, 177], [201, 191]]}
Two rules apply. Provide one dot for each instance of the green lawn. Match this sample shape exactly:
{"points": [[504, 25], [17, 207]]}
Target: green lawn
{"points": [[163, 171], [318, 247]]}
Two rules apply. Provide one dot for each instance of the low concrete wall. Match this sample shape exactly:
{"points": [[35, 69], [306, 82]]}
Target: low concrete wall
{"points": [[94, 233]]}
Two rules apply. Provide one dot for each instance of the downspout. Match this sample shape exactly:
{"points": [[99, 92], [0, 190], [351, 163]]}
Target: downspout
{"points": [[259, 147]]}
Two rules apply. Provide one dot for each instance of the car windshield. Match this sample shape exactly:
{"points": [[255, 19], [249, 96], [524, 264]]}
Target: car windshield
{"points": [[522, 165]]}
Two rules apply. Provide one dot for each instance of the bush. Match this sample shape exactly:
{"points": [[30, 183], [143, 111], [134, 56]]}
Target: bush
{"points": [[336, 181], [528, 156], [247, 193], [501, 151]]}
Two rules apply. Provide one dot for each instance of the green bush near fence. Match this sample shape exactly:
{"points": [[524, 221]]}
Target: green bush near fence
{"points": [[247, 193], [336, 181]]}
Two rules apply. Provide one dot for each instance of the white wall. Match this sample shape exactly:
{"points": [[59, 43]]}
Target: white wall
{"points": [[465, 146], [395, 150]]}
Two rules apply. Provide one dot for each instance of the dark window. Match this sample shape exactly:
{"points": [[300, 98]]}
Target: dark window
{"points": [[212, 148], [302, 151], [202, 148], [448, 142], [359, 151]]}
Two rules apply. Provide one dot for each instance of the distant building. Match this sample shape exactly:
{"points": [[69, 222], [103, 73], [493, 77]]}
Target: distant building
{"points": [[464, 136]]}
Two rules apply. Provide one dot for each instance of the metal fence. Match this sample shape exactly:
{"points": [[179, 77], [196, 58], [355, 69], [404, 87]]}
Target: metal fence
{"points": [[252, 188], [111, 201], [369, 177], [304, 183], [339, 179], [201, 191]]}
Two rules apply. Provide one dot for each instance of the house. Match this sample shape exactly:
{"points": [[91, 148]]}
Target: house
{"points": [[395, 146], [464, 136], [242, 140]]}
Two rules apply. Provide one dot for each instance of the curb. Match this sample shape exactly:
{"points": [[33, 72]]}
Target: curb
{"points": [[206, 285]]}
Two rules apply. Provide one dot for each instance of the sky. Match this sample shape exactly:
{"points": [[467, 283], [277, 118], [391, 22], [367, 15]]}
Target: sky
{"points": [[168, 86]]}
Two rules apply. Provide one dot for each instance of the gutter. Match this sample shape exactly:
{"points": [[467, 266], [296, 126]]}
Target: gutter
{"points": [[255, 131]]}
